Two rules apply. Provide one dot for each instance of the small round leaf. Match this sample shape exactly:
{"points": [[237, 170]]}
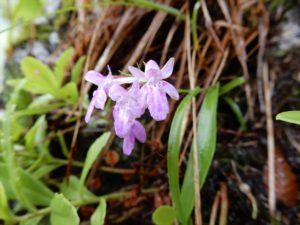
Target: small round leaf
{"points": [[164, 215]]}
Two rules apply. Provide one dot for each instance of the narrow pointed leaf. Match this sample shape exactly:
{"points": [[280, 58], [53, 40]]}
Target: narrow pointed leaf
{"points": [[231, 85], [98, 216], [4, 209], [62, 65], [92, 155], [206, 141], [77, 69], [173, 151], [35, 135]]}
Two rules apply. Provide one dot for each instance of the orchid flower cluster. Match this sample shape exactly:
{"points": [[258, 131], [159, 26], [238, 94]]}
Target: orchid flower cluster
{"points": [[148, 90]]}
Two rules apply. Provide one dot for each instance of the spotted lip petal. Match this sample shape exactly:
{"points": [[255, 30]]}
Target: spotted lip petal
{"points": [[123, 121], [138, 132], [157, 103], [128, 144]]}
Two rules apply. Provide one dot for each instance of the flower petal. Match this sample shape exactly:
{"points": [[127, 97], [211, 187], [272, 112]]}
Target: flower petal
{"points": [[157, 103], [123, 121], [90, 110], [169, 89], [116, 92], [136, 72], [100, 98], [152, 71], [94, 77], [139, 131], [167, 70], [151, 64], [142, 99], [128, 144]]}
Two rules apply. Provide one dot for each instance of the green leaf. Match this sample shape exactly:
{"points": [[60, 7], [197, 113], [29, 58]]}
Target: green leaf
{"points": [[39, 78], [5, 180], [231, 85], [206, 141], [62, 211], [98, 216], [77, 69], [289, 116], [164, 215], [92, 155], [37, 110], [70, 188], [62, 65], [44, 169], [173, 151], [32, 221], [34, 190], [237, 111], [41, 101], [35, 135], [27, 11], [4, 210], [68, 93]]}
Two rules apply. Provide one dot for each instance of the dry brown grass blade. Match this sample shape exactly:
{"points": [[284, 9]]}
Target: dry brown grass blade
{"points": [[191, 73], [208, 24], [127, 21], [224, 205], [216, 58], [167, 44], [263, 27], [271, 141], [239, 45], [147, 39], [214, 211], [221, 66]]}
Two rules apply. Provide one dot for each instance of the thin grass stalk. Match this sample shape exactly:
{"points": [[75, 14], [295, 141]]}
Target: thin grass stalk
{"points": [[271, 142], [191, 74]]}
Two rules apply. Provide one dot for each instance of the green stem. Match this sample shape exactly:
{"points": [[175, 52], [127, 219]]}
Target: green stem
{"points": [[84, 201]]}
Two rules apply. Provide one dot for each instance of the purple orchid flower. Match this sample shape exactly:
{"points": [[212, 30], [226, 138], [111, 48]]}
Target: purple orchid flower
{"points": [[127, 109], [132, 103], [100, 95], [155, 90], [137, 131]]}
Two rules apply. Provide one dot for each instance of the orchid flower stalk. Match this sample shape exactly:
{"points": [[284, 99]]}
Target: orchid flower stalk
{"points": [[148, 90]]}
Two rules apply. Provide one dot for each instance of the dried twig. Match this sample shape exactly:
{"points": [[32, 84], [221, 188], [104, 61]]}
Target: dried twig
{"points": [[271, 142], [191, 73], [263, 25], [213, 214], [224, 205]]}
